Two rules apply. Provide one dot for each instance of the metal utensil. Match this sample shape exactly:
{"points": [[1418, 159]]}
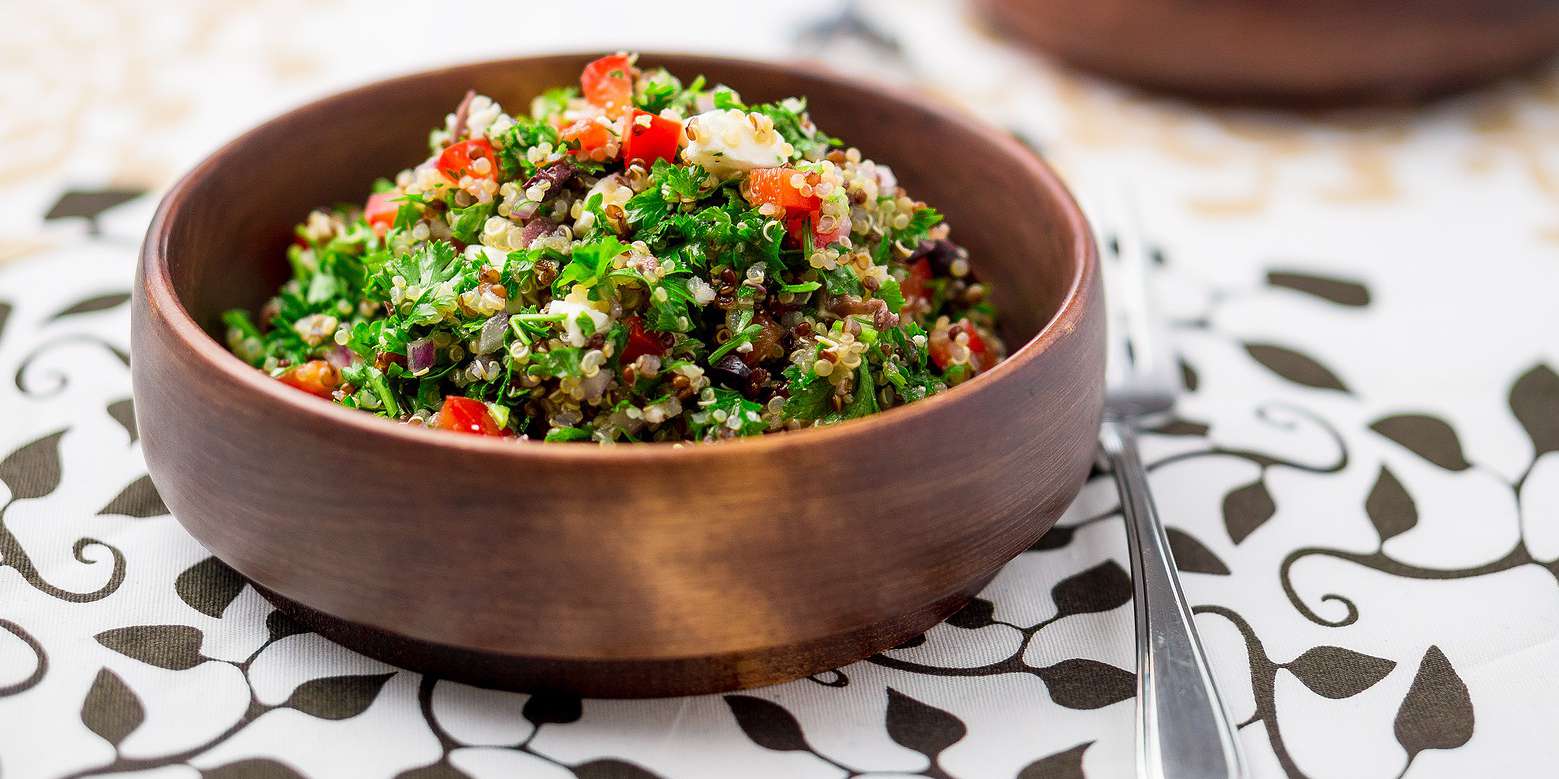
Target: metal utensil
{"points": [[1182, 727]]}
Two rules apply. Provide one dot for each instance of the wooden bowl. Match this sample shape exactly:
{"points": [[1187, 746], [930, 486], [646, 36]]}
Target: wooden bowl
{"points": [[1307, 51], [628, 570]]}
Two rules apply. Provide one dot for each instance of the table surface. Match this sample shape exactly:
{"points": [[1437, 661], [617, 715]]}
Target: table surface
{"points": [[1362, 483]]}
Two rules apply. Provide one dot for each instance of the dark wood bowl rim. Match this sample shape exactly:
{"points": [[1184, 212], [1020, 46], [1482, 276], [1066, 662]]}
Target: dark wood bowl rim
{"points": [[163, 303]]}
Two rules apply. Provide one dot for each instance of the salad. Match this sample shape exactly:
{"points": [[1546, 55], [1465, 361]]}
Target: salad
{"points": [[633, 259]]}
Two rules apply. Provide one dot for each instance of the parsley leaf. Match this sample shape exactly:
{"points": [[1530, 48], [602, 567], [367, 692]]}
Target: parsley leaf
{"points": [[589, 263], [466, 223]]}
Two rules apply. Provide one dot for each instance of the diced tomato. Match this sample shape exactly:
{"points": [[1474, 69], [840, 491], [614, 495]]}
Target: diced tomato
{"points": [[941, 350], [916, 285], [380, 211], [608, 83], [820, 238], [464, 415], [457, 160], [796, 225], [316, 377], [640, 342], [651, 138], [591, 136], [776, 186]]}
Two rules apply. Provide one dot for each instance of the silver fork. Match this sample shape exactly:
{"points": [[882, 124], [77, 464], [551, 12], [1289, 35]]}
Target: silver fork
{"points": [[1183, 729]]}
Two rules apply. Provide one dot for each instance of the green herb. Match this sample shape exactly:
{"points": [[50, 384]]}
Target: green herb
{"points": [[809, 394], [891, 294], [920, 223], [589, 263], [552, 101], [466, 223], [746, 334], [842, 281], [365, 375], [568, 434], [803, 287], [715, 416]]}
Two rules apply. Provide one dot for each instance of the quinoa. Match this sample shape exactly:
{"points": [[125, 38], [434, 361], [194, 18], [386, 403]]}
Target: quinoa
{"points": [[634, 259]]}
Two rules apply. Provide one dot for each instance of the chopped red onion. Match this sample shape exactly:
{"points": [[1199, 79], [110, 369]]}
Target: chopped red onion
{"points": [[341, 357], [419, 355], [555, 175], [492, 334], [534, 229]]}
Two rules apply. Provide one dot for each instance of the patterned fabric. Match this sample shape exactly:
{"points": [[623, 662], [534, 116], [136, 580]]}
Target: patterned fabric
{"points": [[1362, 481]]}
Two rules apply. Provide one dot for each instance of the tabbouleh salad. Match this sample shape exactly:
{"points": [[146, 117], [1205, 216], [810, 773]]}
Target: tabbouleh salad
{"points": [[635, 259]]}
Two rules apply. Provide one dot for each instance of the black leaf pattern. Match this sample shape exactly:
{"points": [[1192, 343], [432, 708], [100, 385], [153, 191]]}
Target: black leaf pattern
{"points": [[1390, 507], [1296, 367], [89, 204], [111, 709], [123, 412], [1087, 684], [1334, 290], [1428, 437], [553, 708], [975, 614], [93, 304], [1100, 588], [1188, 376], [174, 647], [209, 586], [1534, 399], [1437, 711], [768, 724], [609, 768], [280, 624], [1247, 508], [338, 697], [5, 314], [1067, 764], [1181, 427], [33, 471], [921, 727], [1054, 538], [1334, 672], [439, 770], [138, 499], [1192, 556], [253, 768], [40, 661]]}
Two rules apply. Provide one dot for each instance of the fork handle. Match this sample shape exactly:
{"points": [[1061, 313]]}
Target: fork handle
{"points": [[1182, 727]]}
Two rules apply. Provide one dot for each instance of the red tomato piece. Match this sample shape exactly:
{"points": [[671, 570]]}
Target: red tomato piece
{"points": [[608, 83], [464, 415], [380, 212], [777, 186], [979, 360], [316, 377], [651, 138], [640, 342], [795, 225], [591, 136], [459, 158], [941, 350], [915, 285]]}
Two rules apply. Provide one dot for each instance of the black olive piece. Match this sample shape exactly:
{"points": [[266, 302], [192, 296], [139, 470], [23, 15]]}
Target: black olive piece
{"points": [[940, 253], [730, 372]]}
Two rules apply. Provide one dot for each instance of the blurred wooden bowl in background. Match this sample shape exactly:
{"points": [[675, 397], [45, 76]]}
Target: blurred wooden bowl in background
{"points": [[1303, 51]]}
